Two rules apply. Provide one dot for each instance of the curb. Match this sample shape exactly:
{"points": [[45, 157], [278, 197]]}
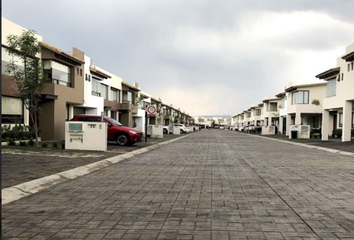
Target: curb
{"points": [[21, 190], [331, 150]]}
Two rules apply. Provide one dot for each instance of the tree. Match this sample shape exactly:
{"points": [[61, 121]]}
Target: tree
{"points": [[25, 68]]}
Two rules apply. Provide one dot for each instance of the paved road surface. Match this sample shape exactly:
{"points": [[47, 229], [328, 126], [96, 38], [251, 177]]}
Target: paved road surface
{"points": [[210, 185]]}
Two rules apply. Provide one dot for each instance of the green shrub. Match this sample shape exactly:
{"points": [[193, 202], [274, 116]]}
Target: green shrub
{"points": [[12, 142], [23, 144], [337, 133], [44, 145], [352, 132], [54, 145], [31, 143]]}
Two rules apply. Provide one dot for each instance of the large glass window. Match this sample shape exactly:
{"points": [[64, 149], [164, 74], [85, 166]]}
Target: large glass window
{"points": [[273, 107], [301, 97], [57, 73], [114, 95], [257, 112], [96, 87], [11, 110], [331, 87], [104, 91], [127, 97]]}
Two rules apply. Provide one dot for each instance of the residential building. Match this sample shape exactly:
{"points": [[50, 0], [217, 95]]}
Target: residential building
{"points": [[338, 107], [12, 109], [304, 105]]}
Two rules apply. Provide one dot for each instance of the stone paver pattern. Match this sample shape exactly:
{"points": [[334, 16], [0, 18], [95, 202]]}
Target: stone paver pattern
{"points": [[213, 184]]}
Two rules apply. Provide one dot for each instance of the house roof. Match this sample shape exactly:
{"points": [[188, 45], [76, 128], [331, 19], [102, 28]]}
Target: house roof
{"points": [[62, 54], [156, 100], [281, 95], [293, 88], [99, 73], [349, 57], [144, 95], [131, 87], [329, 73], [270, 99]]}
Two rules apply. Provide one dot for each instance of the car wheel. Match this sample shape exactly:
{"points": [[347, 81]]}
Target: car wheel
{"points": [[181, 131], [165, 131], [122, 139]]}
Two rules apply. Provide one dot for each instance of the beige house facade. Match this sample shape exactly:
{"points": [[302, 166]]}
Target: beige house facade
{"points": [[338, 103]]}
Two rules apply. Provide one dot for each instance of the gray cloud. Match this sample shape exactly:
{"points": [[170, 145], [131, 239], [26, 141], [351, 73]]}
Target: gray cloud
{"points": [[213, 47]]}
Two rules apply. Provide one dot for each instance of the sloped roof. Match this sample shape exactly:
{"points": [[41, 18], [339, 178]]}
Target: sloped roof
{"points": [[329, 73]]}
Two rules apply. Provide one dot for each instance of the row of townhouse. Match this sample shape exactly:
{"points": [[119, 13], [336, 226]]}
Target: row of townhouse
{"points": [[77, 86], [324, 106]]}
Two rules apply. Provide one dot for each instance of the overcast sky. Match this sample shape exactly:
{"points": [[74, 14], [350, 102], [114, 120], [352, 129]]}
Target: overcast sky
{"points": [[206, 57]]}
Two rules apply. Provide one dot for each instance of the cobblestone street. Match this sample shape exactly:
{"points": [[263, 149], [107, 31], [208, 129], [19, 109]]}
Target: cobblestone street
{"points": [[213, 184]]}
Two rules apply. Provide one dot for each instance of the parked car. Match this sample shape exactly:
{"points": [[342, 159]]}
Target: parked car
{"points": [[216, 127], [222, 127], [116, 131], [257, 129], [165, 130]]}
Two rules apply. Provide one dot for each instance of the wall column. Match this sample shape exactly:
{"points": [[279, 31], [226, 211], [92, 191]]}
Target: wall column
{"points": [[298, 118], [325, 124], [288, 121], [347, 117]]}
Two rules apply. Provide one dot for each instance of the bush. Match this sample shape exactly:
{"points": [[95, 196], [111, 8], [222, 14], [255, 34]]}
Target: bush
{"points": [[31, 143], [18, 132], [54, 145], [44, 145], [337, 133], [352, 132], [12, 142], [23, 144]]}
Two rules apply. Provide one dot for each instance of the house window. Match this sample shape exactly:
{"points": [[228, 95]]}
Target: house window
{"points": [[348, 67], [88, 77], [273, 107], [104, 91], [57, 73], [96, 87], [80, 72], [114, 95], [77, 71], [301, 97], [257, 112], [11, 110], [127, 97], [340, 120], [342, 76], [6, 59], [352, 65], [331, 87]]}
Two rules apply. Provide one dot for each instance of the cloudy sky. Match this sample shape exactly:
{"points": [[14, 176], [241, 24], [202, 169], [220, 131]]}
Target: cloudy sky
{"points": [[206, 57]]}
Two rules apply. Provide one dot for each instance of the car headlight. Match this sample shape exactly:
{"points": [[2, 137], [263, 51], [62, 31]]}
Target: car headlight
{"points": [[133, 132]]}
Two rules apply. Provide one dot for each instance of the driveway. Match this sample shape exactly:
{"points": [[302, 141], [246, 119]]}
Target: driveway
{"points": [[210, 185]]}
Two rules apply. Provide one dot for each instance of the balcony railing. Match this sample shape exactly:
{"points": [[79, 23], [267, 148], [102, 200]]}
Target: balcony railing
{"points": [[60, 82]]}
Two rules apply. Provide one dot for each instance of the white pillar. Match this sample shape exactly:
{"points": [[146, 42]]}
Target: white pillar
{"points": [[25, 116], [325, 124], [298, 118], [288, 123], [347, 116]]}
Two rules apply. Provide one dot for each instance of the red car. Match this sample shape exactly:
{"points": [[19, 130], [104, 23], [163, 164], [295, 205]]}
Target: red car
{"points": [[116, 131]]}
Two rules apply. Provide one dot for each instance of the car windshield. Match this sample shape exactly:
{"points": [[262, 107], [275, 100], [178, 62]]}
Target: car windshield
{"points": [[115, 122]]}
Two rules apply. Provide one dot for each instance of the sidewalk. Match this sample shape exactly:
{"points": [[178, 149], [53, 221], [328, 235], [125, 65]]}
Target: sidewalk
{"points": [[335, 143], [23, 164]]}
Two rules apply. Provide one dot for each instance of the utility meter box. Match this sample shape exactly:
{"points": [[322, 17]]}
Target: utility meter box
{"points": [[268, 130], [302, 131], [157, 131], [176, 130], [86, 136]]}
